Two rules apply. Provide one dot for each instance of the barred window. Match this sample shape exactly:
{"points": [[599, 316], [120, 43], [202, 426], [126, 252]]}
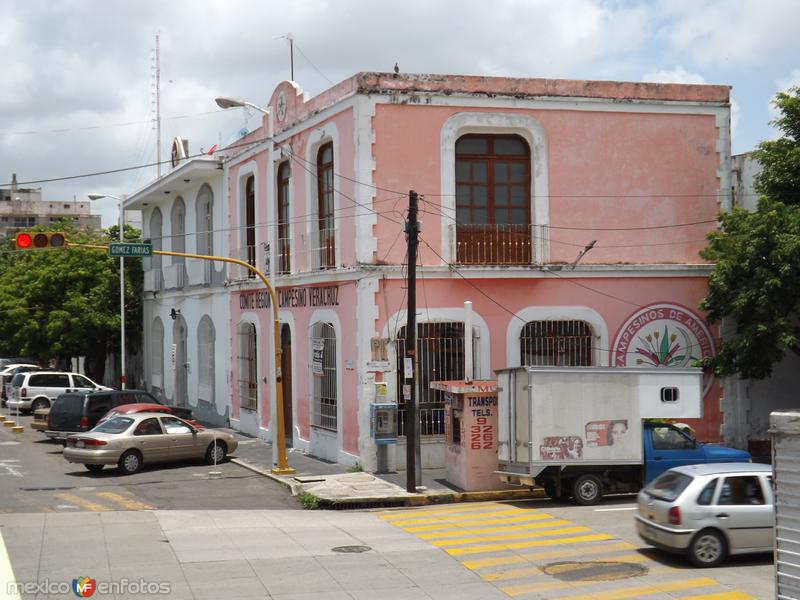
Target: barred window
{"points": [[206, 336], [323, 371], [284, 248], [556, 343], [248, 371]]}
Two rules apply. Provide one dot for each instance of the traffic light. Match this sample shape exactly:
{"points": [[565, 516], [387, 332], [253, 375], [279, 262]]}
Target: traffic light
{"points": [[28, 240]]}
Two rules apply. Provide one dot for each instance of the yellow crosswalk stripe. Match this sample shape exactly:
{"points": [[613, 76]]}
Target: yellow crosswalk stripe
{"points": [[511, 536], [646, 590], [531, 544], [517, 519], [720, 596], [442, 510], [456, 518], [603, 548], [128, 503], [534, 570], [509, 529], [87, 504]]}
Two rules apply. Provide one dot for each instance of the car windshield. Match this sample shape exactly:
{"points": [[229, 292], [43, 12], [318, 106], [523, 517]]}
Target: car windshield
{"points": [[115, 425], [668, 486]]}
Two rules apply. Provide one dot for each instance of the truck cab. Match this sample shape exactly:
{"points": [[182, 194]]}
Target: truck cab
{"points": [[667, 446]]}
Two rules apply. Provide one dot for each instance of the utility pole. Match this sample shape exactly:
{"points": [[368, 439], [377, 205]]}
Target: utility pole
{"points": [[291, 55], [410, 359]]}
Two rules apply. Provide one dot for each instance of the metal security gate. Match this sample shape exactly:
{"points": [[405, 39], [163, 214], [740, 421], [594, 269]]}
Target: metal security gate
{"points": [[556, 344], [248, 374], [440, 357], [323, 369]]}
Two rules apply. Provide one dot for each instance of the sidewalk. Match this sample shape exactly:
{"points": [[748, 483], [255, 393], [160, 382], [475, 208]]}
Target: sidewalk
{"points": [[336, 487]]}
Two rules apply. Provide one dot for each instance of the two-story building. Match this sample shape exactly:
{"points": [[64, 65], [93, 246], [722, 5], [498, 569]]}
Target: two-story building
{"points": [[517, 178]]}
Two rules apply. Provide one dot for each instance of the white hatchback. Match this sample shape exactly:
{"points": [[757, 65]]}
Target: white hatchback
{"points": [[709, 511], [37, 389]]}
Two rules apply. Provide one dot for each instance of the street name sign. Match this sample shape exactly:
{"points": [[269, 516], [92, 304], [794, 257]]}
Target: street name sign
{"points": [[126, 249]]}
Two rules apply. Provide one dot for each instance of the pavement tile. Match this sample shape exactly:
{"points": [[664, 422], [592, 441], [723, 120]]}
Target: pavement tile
{"points": [[314, 580], [229, 589], [440, 575], [375, 576], [327, 595], [464, 591], [235, 569]]}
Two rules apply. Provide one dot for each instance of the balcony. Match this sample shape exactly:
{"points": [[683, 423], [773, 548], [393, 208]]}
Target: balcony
{"points": [[153, 281], [493, 244], [284, 256], [175, 276]]}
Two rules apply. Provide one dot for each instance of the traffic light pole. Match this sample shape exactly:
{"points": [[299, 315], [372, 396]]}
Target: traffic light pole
{"points": [[283, 467]]}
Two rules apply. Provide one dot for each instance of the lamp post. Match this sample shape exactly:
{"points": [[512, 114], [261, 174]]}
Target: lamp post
{"points": [[121, 282], [279, 448]]}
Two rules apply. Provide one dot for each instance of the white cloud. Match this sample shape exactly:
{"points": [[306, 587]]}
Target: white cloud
{"points": [[730, 33], [675, 75]]}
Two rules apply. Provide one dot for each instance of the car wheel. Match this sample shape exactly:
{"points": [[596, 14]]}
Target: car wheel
{"points": [[216, 452], [130, 462], [587, 490], [94, 468], [708, 549], [40, 403]]}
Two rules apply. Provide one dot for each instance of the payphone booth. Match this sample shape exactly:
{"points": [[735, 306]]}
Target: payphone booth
{"points": [[470, 417]]}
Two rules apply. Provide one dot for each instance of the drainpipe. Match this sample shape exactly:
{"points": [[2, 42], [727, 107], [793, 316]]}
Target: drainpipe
{"points": [[468, 342]]}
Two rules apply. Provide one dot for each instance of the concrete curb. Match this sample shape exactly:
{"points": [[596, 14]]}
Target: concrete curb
{"points": [[410, 500]]}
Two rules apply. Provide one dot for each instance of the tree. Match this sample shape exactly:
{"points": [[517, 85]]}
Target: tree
{"points": [[756, 277], [65, 303]]}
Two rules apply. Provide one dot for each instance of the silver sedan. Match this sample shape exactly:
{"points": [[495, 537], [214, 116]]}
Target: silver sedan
{"points": [[129, 441]]}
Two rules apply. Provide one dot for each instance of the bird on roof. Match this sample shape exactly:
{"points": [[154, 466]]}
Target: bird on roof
{"points": [[396, 68]]}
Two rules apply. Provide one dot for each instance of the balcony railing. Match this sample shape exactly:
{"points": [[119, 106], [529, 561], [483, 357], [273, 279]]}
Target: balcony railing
{"points": [[284, 256], [493, 244]]}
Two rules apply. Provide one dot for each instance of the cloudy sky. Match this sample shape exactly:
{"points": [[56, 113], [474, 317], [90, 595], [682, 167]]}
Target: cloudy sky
{"points": [[78, 77]]}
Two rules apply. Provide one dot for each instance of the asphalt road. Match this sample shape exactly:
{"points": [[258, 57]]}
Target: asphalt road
{"points": [[34, 477]]}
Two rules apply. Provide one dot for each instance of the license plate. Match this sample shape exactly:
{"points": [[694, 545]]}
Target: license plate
{"points": [[79, 444]]}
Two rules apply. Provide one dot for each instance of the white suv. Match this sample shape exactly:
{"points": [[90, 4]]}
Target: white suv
{"points": [[37, 389]]}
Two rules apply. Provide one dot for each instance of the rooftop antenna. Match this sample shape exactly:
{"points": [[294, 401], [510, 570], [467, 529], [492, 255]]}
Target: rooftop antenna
{"points": [[157, 102], [289, 38]]}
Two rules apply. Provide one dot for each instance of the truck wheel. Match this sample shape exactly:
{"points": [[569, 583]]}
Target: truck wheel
{"points": [[550, 490], [587, 490]]}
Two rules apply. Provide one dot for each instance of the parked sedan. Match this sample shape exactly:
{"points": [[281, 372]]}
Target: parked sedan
{"points": [[129, 441], [709, 511]]}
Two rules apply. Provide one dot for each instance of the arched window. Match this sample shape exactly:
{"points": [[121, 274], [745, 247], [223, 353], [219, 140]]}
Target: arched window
{"points": [[178, 230], [250, 223], [325, 208], [157, 357], [556, 343], [248, 367], [284, 243], [204, 208], [156, 238], [493, 212], [323, 369], [206, 338]]}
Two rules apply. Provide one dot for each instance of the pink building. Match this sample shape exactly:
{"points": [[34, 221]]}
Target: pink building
{"points": [[517, 177]]}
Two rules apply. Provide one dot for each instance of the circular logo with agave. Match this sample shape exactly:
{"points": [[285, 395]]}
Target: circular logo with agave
{"points": [[662, 335]]}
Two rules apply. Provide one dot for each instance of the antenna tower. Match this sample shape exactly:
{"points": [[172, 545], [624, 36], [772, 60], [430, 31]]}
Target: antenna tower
{"points": [[157, 102]]}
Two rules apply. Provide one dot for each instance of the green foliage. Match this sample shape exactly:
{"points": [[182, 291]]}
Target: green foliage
{"points": [[756, 281], [780, 159], [64, 303], [308, 501], [356, 468]]}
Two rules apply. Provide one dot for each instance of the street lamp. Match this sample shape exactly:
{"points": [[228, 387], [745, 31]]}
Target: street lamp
{"points": [[225, 102], [279, 448], [121, 282]]}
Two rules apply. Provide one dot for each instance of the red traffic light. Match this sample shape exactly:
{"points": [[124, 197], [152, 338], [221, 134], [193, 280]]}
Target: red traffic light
{"points": [[40, 239], [24, 240]]}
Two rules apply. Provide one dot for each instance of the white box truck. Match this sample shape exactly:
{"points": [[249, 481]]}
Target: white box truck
{"points": [[784, 429], [583, 431]]}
